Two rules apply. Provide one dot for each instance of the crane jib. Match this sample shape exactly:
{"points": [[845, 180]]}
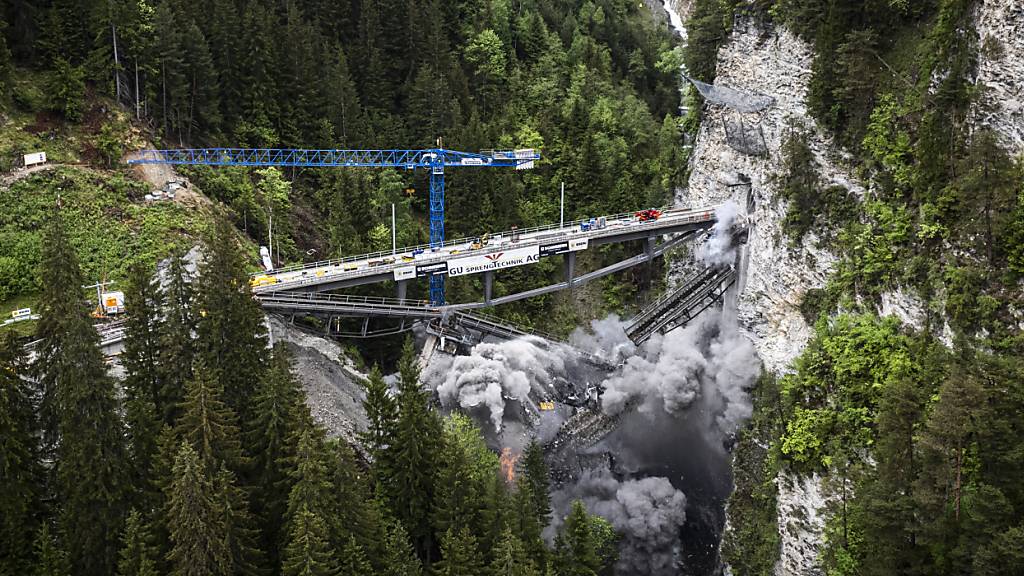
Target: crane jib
{"points": [[436, 159]]}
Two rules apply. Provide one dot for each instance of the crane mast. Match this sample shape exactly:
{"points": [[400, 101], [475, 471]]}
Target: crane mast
{"points": [[433, 159]]}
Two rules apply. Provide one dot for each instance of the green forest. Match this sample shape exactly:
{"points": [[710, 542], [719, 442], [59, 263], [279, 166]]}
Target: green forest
{"points": [[205, 460]]}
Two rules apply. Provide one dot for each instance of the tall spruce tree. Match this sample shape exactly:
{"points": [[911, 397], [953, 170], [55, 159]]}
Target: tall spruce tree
{"points": [[208, 423], [309, 552], [525, 524], [279, 417], [143, 386], [381, 415], [136, 557], [360, 516], [311, 485], [535, 469], [413, 455], [20, 471], [399, 557], [51, 559], [81, 414], [460, 555], [198, 546], [353, 560], [240, 532], [510, 557], [231, 333], [177, 347]]}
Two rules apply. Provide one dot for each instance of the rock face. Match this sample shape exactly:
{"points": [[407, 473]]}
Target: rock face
{"points": [[777, 275], [331, 381], [1000, 28]]}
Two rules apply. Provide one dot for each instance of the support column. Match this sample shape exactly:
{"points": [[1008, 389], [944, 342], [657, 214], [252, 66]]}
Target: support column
{"points": [[488, 285], [649, 247], [403, 287], [570, 267]]}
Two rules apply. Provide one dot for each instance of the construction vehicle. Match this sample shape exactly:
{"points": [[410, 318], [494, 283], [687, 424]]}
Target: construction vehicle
{"points": [[481, 242], [649, 215], [110, 304], [263, 280]]}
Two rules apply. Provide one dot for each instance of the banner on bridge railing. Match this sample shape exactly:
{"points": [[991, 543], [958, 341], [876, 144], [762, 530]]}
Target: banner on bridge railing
{"points": [[494, 261], [409, 272], [574, 245]]}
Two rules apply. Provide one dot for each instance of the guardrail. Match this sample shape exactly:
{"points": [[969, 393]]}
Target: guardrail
{"points": [[427, 248], [691, 216]]}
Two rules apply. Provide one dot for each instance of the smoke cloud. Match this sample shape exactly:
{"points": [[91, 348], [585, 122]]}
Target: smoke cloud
{"points": [[718, 250], [606, 339], [494, 373], [646, 512], [707, 359]]}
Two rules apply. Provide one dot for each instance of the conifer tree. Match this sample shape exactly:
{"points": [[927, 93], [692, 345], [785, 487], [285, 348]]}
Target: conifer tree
{"points": [[536, 472], [208, 423], [231, 333], [136, 557], [353, 560], [311, 485], [381, 415], [198, 545], [399, 557], [525, 525], [413, 455], [510, 557], [240, 533], [309, 552], [279, 417], [20, 471], [177, 347], [577, 547], [359, 511], [51, 559], [81, 414], [460, 555], [142, 385]]}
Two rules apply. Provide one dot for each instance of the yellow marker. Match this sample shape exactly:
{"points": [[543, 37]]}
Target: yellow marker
{"points": [[547, 406]]}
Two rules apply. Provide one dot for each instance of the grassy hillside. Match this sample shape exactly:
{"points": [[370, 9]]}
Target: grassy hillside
{"points": [[109, 222]]}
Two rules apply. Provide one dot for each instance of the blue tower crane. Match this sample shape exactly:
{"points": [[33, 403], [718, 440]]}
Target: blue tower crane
{"points": [[434, 159]]}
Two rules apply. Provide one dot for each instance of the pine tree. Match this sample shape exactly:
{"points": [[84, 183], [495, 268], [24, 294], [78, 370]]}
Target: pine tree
{"points": [[142, 385], [579, 545], [279, 417], [136, 558], [198, 545], [51, 559], [381, 415], [460, 555], [231, 333], [510, 558], [308, 552], [353, 560], [399, 557], [525, 525], [20, 471], [177, 348], [81, 414], [208, 424], [414, 454]]}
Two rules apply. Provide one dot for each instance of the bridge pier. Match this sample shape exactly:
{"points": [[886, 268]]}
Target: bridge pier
{"points": [[649, 247], [403, 287], [570, 268], [488, 285]]}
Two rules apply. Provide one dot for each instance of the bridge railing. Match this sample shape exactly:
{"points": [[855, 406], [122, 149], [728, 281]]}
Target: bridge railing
{"points": [[448, 244], [343, 299]]}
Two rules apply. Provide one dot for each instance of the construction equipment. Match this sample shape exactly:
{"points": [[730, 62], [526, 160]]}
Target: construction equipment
{"points": [[434, 159], [649, 215]]}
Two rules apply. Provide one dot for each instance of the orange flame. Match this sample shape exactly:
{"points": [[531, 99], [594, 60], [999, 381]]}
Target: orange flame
{"points": [[508, 461]]}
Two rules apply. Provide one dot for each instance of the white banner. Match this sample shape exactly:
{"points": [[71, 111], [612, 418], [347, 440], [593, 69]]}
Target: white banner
{"points": [[405, 273], [493, 261], [578, 244]]}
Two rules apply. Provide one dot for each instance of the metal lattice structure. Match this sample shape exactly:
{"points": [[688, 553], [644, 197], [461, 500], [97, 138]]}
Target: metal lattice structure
{"points": [[731, 98], [434, 159]]}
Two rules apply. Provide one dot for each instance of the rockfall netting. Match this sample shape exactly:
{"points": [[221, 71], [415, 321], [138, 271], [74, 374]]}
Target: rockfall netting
{"points": [[731, 98]]}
